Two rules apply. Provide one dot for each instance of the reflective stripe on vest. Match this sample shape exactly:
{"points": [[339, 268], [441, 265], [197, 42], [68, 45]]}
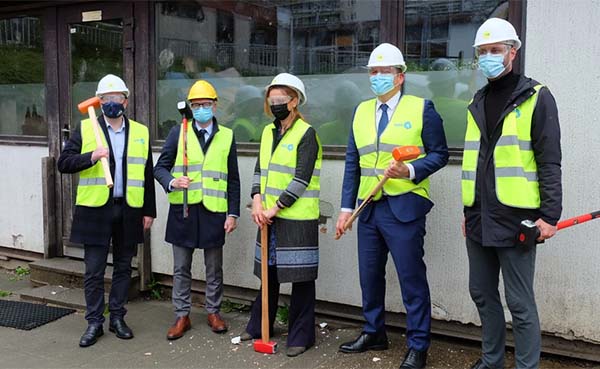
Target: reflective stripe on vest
{"points": [[515, 168], [92, 190], [208, 172], [404, 129], [277, 172]]}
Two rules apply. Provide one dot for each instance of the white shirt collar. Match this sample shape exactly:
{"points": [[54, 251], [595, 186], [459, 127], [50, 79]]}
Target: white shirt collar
{"points": [[208, 129], [391, 103], [118, 130]]}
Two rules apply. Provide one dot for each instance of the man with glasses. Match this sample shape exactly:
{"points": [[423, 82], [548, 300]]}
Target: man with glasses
{"points": [[395, 221], [120, 214], [511, 172], [213, 192]]}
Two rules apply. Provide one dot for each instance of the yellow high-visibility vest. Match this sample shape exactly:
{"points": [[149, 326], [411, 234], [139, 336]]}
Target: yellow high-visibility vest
{"points": [[207, 172], [515, 168], [277, 171], [91, 189], [404, 129]]}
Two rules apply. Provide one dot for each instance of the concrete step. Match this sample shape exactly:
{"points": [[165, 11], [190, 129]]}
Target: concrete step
{"points": [[69, 274], [55, 295]]}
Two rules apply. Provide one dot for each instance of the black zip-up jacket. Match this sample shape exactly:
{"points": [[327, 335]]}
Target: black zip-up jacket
{"points": [[488, 221]]}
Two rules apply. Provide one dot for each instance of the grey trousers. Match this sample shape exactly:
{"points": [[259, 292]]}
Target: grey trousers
{"points": [[518, 268], [182, 279]]}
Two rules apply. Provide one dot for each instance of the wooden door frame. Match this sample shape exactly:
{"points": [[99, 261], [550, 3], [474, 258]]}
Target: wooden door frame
{"points": [[67, 15]]}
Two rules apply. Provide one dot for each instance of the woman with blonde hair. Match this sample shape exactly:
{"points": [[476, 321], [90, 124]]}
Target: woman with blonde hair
{"points": [[285, 194]]}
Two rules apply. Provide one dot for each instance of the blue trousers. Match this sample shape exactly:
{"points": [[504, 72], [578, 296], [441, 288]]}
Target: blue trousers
{"points": [[95, 257], [380, 234]]}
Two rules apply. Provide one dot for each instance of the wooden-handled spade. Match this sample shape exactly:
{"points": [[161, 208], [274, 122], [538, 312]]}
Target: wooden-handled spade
{"points": [[400, 153], [89, 106]]}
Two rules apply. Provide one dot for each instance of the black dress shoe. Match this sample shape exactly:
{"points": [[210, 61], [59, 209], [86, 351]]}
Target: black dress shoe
{"points": [[364, 342], [479, 365], [414, 360], [120, 328], [91, 334]]}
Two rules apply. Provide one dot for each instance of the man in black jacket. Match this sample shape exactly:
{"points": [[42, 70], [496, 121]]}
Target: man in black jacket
{"points": [[511, 172], [120, 214]]}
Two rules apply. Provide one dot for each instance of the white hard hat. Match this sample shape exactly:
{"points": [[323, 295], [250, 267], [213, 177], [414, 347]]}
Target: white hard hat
{"points": [[111, 83], [496, 30], [387, 55], [289, 80]]}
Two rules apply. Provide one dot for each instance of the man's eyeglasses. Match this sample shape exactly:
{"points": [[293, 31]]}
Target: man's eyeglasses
{"points": [[494, 50], [113, 98], [205, 105]]}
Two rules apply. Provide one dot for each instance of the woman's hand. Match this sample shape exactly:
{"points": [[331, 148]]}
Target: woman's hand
{"points": [[270, 214], [258, 211]]}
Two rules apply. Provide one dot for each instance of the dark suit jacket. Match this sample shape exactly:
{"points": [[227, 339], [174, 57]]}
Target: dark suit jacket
{"points": [[93, 226], [202, 228], [410, 206]]}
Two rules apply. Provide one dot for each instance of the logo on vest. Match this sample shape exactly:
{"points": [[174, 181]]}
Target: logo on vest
{"points": [[518, 112], [140, 141], [289, 147], [407, 125]]}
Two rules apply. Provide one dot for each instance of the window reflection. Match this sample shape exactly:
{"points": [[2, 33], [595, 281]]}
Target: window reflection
{"points": [[22, 92], [440, 56], [240, 46]]}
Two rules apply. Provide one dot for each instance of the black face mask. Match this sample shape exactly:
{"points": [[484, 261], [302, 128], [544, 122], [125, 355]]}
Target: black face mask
{"points": [[280, 111]]}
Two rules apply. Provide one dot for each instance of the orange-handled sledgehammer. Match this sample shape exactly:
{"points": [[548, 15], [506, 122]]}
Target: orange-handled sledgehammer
{"points": [[264, 345], [89, 106], [400, 153]]}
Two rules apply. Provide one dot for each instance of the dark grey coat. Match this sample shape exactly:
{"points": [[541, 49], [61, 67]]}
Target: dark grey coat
{"points": [[297, 240]]}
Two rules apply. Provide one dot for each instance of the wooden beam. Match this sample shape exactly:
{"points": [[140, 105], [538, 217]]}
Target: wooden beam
{"points": [[54, 127], [48, 205]]}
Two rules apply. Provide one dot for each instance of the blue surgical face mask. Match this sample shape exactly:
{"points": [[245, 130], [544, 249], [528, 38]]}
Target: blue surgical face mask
{"points": [[381, 84], [113, 109], [203, 115], [491, 65]]}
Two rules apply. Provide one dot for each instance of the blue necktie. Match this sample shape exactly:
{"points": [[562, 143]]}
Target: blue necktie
{"points": [[383, 121], [202, 138]]}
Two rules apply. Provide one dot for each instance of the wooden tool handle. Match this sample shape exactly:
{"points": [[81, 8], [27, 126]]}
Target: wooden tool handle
{"points": [[264, 280], [103, 161]]}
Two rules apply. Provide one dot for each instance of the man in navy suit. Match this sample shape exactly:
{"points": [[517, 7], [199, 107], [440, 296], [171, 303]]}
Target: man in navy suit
{"points": [[395, 221]]}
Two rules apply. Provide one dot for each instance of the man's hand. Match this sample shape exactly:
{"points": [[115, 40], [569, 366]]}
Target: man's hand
{"points": [[463, 227], [230, 224], [397, 169], [101, 152], [181, 182], [339, 226], [147, 222], [546, 230], [257, 211]]}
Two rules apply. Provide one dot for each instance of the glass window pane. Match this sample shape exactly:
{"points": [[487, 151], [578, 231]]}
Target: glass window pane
{"points": [[440, 56], [240, 46], [22, 92], [96, 50]]}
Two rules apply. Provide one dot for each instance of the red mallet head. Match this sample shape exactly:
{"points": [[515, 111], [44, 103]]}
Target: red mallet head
{"points": [[265, 347], [92, 101], [403, 153]]}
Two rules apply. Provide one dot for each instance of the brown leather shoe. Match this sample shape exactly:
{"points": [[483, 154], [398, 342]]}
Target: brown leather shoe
{"points": [[177, 330], [216, 323]]}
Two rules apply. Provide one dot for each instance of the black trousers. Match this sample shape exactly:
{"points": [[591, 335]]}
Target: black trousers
{"points": [[95, 257], [301, 317]]}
